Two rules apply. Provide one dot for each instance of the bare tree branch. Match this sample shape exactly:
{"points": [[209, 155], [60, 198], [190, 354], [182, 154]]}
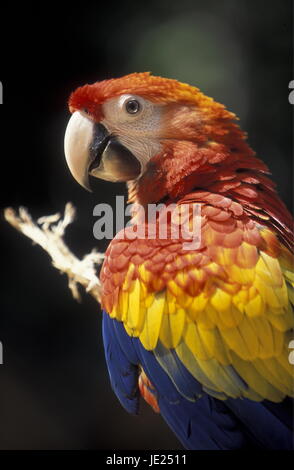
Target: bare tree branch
{"points": [[48, 232]]}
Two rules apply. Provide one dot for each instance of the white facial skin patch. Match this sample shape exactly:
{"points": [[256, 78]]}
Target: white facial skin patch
{"points": [[139, 131]]}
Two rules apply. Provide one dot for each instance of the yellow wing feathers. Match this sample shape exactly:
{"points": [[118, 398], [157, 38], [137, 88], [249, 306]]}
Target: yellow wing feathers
{"points": [[232, 335]]}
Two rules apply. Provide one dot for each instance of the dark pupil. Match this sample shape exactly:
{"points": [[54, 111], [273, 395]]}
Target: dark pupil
{"points": [[132, 106]]}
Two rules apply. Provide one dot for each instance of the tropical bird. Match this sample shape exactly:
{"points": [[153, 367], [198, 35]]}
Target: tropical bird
{"points": [[200, 331]]}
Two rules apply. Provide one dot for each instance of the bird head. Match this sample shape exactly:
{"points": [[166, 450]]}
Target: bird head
{"points": [[149, 131]]}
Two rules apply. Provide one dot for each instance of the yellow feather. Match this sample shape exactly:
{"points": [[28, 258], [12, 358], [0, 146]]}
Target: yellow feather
{"points": [[204, 320], [282, 292], [145, 275], [269, 294], [255, 307], [241, 275], [232, 317], [250, 337], [172, 328], [242, 296], [269, 270], [221, 300], [190, 362], [263, 331], [289, 275], [282, 322], [218, 375], [281, 374], [185, 300], [213, 315], [193, 341], [270, 377], [170, 302], [149, 300], [235, 342], [153, 318], [181, 278], [175, 289], [214, 344], [129, 278], [255, 381], [278, 340], [198, 304], [133, 315], [124, 297], [143, 291], [252, 292]]}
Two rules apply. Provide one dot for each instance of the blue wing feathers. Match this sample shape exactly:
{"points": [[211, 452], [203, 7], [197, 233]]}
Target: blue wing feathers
{"points": [[263, 424], [199, 420], [123, 374]]}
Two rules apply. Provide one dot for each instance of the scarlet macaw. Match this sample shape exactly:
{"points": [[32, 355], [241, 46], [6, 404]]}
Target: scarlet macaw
{"points": [[203, 333]]}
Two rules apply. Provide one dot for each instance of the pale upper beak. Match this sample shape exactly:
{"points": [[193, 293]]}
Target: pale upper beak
{"points": [[90, 149]]}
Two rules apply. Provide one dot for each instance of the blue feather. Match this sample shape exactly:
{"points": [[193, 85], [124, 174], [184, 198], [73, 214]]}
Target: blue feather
{"points": [[266, 423], [123, 374], [200, 423]]}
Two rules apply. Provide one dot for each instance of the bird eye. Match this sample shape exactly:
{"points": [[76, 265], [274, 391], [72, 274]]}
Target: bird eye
{"points": [[86, 111], [133, 106]]}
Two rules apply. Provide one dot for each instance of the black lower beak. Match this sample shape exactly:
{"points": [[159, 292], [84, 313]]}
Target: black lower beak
{"points": [[109, 159], [100, 140]]}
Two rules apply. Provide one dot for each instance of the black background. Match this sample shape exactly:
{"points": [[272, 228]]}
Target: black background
{"points": [[54, 388]]}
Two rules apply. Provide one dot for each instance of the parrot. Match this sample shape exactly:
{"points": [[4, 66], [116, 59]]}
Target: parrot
{"points": [[200, 331]]}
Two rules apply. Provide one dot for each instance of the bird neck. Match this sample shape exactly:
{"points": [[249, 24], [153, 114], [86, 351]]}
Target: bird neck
{"points": [[184, 168], [184, 165]]}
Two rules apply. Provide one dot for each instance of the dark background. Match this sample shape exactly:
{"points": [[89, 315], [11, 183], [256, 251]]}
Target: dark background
{"points": [[54, 388]]}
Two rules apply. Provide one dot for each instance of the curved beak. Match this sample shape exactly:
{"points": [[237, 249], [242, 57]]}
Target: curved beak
{"points": [[90, 149]]}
